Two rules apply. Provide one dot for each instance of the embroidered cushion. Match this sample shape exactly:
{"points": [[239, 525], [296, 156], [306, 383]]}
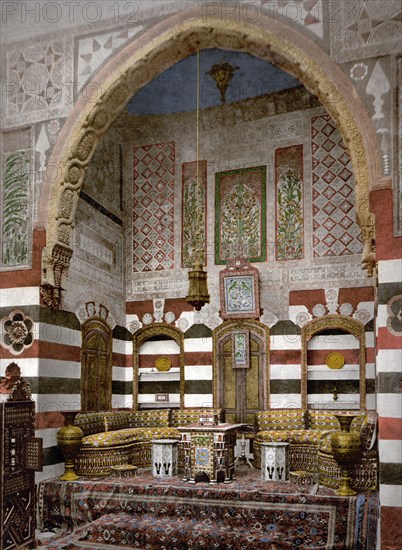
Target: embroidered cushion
{"points": [[183, 417], [116, 420], [151, 417], [308, 437], [90, 422], [128, 435], [282, 419], [322, 420]]}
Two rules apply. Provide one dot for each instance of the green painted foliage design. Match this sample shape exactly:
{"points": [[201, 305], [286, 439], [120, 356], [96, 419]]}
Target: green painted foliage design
{"points": [[15, 210], [193, 223], [240, 222], [290, 218]]}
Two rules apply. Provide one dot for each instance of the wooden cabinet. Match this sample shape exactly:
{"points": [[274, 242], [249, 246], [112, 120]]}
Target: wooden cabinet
{"points": [[209, 451], [20, 456]]}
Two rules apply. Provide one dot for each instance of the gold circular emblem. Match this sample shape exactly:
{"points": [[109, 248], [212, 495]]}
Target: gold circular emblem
{"points": [[335, 360], [163, 363]]}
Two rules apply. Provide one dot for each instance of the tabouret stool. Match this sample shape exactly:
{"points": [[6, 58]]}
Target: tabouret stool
{"points": [[124, 470], [164, 457], [274, 461]]}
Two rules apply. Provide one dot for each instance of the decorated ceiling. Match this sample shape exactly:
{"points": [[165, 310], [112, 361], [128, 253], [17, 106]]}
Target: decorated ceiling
{"points": [[175, 90]]}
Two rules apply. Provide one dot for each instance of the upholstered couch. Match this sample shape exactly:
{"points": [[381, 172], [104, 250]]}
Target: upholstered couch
{"points": [[124, 437], [308, 433]]}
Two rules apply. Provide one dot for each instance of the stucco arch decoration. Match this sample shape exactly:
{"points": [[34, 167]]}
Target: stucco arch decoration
{"points": [[163, 45]]}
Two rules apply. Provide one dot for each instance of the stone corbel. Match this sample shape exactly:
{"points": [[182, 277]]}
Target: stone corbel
{"points": [[367, 225], [55, 264]]}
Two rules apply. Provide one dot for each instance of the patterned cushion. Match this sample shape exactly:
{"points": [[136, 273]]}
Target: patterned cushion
{"points": [[325, 420], [322, 420], [308, 437], [282, 419], [116, 420], [325, 445], [183, 417], [91, 422], [149, 418], [128, 435]]}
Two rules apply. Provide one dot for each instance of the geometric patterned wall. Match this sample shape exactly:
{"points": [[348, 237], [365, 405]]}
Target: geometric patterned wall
{"points": [[153, 207], [335, 231]]}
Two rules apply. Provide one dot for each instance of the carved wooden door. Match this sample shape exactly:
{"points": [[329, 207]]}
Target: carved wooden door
{"points": [[240, 387], [96, 366]]}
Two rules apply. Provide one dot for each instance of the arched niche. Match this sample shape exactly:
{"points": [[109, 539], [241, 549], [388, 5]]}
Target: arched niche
{"points": [[241, 385], [322, 325], [157, 332], [96, 365], [158, 48]]}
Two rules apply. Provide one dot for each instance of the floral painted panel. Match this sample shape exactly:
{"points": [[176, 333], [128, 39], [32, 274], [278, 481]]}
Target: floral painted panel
{"points": [[239, 291], [289, 202], [240, 217], [16, 216], [240, 352], [194, 209]]}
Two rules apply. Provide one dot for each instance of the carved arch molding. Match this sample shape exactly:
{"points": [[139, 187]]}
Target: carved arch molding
{"points": [[165, 44]]}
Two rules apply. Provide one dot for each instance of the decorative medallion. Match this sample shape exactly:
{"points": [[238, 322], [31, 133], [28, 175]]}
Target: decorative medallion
{"points": [[335, 360], [394, 321], [17, 332], [147, 319], [163, 363], [319, 310], [169, 317], [346, 309]]}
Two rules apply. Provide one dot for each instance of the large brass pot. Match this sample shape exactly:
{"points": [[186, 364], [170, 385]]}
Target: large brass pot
{"points": [[69, 439], [346, 450]]}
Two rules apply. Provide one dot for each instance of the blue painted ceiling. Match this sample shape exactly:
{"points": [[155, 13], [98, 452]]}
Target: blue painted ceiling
{"points": [[174, 90]]}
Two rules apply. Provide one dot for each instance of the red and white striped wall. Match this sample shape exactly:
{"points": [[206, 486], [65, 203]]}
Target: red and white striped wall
{"points": [[389, 367]]}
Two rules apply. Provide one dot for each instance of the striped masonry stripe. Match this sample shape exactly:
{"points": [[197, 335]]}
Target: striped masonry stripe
{"points": [[386, 340], [19, 297], [196, 400], [159, 347], [390, 450], [390, 473], [389, 360], [390, 428], [198, 372], [389, 404], [389, 271]]}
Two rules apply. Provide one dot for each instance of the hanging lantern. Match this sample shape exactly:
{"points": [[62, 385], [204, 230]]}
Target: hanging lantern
{"points": [[198, 294], [222, 73]]}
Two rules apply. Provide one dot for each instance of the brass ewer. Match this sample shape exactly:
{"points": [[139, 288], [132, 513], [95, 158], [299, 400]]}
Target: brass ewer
{"points": [[346, 450], [69, 439]]}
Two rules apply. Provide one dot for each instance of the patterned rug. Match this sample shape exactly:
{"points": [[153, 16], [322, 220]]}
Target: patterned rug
{"points": [[144, 512]]}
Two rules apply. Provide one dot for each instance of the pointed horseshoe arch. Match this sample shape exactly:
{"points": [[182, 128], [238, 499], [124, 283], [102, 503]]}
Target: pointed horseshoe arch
{"points": [[157, 49]]}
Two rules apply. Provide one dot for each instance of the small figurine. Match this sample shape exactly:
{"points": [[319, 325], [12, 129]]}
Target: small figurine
{"points": [[11, 376]]}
